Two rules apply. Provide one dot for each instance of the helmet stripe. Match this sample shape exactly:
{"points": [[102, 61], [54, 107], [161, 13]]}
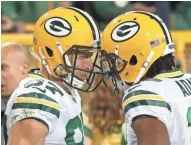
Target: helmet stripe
{"points": [[93, 25], [162, 25]]}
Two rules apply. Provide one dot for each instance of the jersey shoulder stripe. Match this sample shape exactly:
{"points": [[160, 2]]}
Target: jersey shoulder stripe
{"points": [[143, 97], [153, 80], [37, 95], [36, 106], [37, 101], [176, 73], [148, 103], [138, 92]]}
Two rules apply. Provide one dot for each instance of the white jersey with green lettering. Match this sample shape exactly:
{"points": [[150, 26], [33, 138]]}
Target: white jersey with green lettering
{"points": [[39, 98], [166, 97]]}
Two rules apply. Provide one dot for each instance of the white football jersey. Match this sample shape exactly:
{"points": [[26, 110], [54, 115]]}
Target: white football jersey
{"points": [[166, 97], [37, 97]]}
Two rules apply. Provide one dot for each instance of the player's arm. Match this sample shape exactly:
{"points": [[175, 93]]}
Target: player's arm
{"points": [[33, 115], [148, 114], [150, 131], [28, 132]]}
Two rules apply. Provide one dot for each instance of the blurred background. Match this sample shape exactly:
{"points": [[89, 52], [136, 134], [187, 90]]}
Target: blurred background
{"points": [[104, 113]]}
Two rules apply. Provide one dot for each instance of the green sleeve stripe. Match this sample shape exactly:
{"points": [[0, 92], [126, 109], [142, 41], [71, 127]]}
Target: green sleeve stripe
{"points": [[138, 92], [173, 70], [35, 72], [147, 103], [87, 131], [179, 76], [153, 80], [37, 106], [38, 95]]}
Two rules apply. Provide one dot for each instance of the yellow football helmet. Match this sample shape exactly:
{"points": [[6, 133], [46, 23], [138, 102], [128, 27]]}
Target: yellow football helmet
{"points": [[60, 35], [134, 41]]}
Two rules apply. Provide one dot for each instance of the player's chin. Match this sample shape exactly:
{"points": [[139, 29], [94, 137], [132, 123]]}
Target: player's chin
{"points": [[80, 77], [5, 93], [3, 89]]}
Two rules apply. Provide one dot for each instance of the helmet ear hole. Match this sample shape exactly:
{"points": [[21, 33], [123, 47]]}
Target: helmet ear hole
{"points": [[133, 60], [49, 51]]}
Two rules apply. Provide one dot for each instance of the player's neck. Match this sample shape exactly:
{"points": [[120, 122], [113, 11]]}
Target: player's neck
{"points": [[45, 74]]}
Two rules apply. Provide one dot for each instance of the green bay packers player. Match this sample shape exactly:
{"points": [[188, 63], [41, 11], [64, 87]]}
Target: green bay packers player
{"points": [[157, 105], [45, 108]]}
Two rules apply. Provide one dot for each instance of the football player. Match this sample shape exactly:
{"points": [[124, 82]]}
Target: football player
{"points": [[45, 108], [138, 50]]}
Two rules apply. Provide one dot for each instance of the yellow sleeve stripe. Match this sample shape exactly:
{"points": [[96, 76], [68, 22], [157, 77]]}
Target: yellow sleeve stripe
{"points": [[37, 101], [167, 75], [142, 97]]}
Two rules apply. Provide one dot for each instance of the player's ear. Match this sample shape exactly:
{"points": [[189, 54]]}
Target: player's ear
{"points": [[25, 68]]}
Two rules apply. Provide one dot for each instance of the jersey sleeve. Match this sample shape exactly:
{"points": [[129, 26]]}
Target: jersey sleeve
{"points": [[34, 102], [143, 102]]}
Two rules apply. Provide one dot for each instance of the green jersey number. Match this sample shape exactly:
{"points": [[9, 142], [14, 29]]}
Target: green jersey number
{"points": [[50, 86], [189, 116], [75, 133]]}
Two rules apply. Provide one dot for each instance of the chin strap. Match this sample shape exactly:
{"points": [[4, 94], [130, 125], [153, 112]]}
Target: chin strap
{"points": [[34, 55], [144, 67], [44, 63], [75, 82], [59, 46]]}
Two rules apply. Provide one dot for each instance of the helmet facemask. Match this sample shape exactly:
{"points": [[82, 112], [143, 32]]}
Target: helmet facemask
{"points": [[111, 66], [82, 67]]}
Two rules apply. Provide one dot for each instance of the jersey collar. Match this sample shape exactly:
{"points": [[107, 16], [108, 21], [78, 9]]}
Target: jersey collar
{"points": [[34, 73]]}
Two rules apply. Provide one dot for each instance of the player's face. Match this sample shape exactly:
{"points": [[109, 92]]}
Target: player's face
{"points": [[83, 66], [84, 62], [11, 72]]}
